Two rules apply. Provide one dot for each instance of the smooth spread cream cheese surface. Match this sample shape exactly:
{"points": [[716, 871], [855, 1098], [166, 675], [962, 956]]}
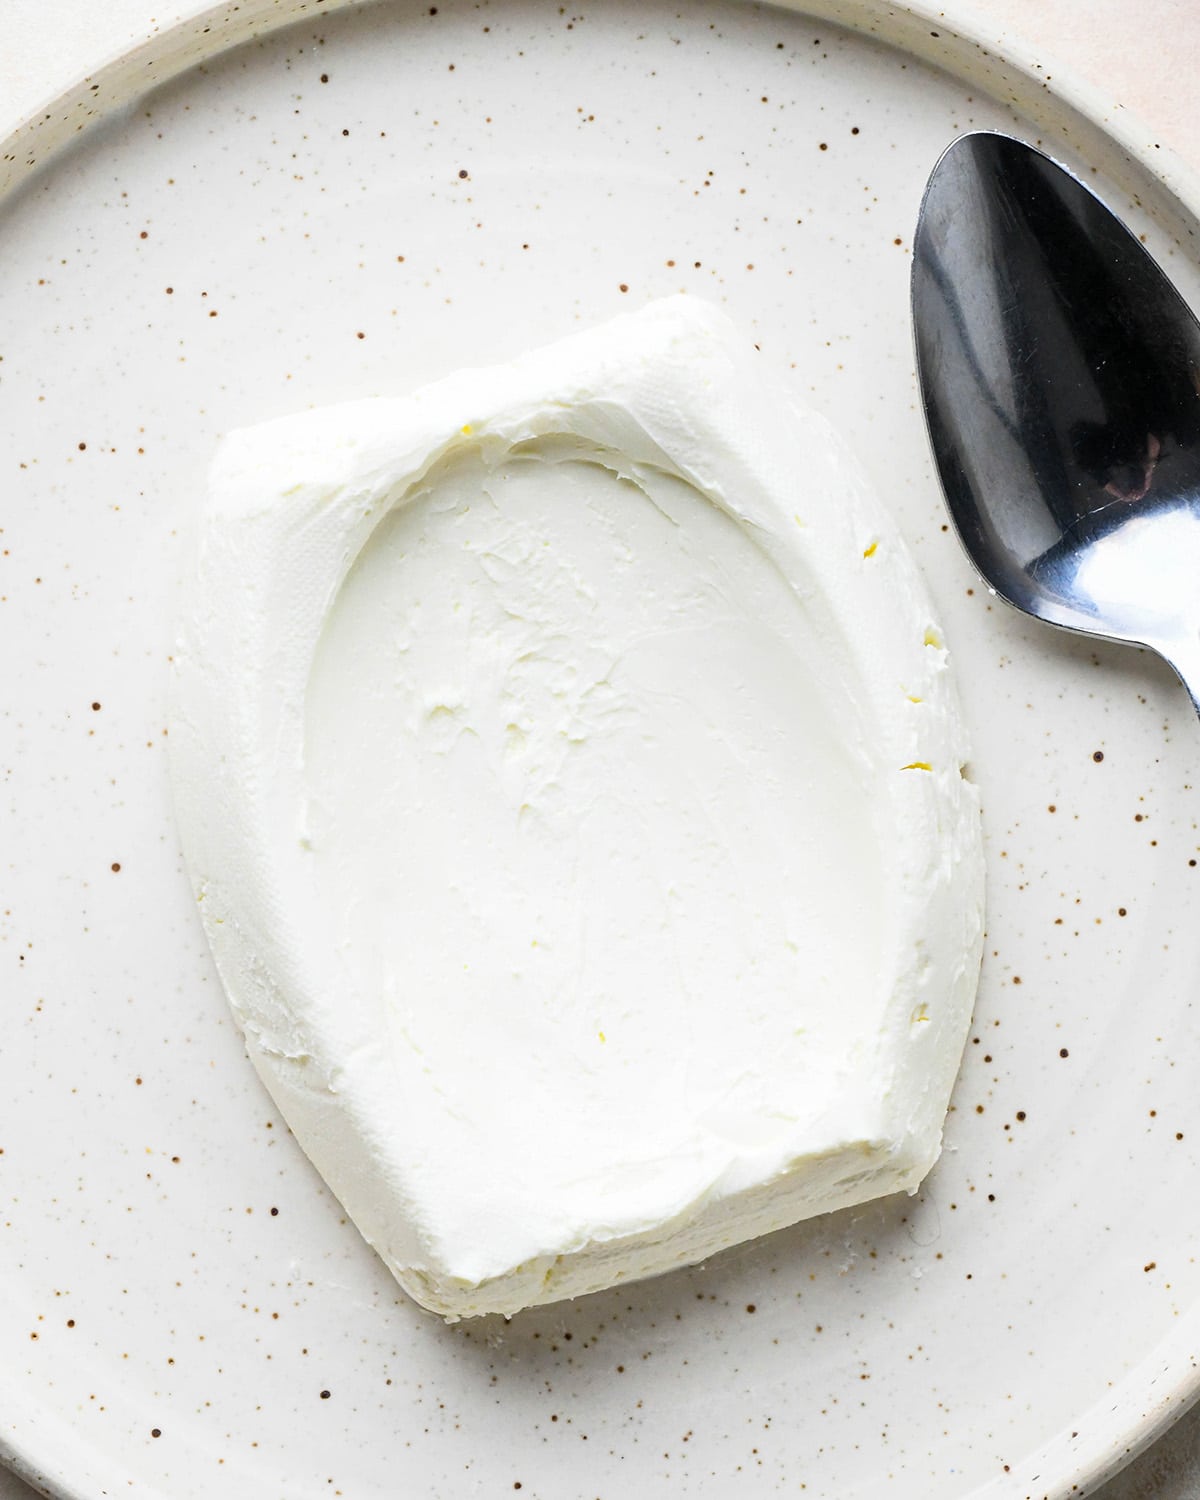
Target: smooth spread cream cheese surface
{"points": [[570, 775]]}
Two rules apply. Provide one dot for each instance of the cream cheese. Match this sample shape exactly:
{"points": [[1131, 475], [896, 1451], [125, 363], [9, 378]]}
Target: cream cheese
{"points": [[569, 771]]}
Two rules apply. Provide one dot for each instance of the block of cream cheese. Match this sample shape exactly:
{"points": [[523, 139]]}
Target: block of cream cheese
{"points": [[570, 775]]}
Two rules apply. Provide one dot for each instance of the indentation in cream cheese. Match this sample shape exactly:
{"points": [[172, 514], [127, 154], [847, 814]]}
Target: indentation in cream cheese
{"points": [[548, 783]]}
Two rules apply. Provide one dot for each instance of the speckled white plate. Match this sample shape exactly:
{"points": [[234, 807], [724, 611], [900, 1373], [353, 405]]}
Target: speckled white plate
{"points": [[361, 203]]}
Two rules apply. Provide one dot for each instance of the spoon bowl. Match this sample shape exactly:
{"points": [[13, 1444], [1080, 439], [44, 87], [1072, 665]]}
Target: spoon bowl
{"points": [[1060, 375]]}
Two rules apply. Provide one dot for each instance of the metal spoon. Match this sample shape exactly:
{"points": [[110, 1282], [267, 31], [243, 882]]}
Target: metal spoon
{"points": [[1060, 373]]}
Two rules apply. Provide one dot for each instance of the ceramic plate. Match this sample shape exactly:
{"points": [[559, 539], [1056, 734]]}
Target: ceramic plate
{"points": [[361, 203]]}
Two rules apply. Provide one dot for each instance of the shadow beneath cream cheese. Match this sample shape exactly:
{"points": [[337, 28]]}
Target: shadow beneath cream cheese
{"points": [[791, 1288]]}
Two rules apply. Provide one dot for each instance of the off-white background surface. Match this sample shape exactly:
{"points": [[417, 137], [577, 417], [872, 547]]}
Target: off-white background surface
{"points": [[1144, 54]]}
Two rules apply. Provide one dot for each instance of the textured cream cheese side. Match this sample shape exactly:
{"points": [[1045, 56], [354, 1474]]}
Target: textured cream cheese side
{"points": [[570, 774]]}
